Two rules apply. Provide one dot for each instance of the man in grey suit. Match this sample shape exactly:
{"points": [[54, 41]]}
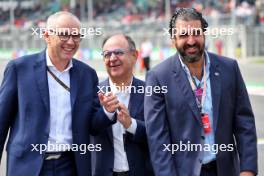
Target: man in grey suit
{"points": [[204, 124]]}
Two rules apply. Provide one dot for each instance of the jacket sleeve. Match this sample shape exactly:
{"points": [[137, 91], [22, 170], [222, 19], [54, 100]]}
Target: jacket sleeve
{"points": [[158, 130], [245, 130], [8, 102], [140, 134]]}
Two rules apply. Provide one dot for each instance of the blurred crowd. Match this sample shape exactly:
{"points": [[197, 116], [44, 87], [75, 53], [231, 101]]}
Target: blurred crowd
{"points": [[28, 13]]}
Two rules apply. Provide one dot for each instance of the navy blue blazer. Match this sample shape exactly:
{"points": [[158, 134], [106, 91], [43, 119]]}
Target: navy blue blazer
{"points": [[173, 117], [24, 109], [135, 145]]}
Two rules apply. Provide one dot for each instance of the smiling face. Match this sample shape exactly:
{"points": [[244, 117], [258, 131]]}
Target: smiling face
{"points": [[61, 51], [119, 66], [189, 40]]}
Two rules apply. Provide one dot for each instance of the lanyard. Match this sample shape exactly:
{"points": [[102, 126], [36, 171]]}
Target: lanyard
{"points": [[58, 80], [194, 87]]}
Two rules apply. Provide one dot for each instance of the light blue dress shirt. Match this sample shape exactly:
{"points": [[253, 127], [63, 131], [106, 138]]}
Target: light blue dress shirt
{"points": [[60, 135], [208, 155]]}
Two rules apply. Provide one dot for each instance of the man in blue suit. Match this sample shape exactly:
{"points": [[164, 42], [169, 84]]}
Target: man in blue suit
{"points": [[49, 103], [203, 125], [124, 144]]}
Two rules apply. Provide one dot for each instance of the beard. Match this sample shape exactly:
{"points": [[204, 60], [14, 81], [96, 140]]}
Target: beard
{"points": [[191, 58]]}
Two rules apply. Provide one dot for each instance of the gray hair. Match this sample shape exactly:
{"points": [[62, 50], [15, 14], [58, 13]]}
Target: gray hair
{"points": [[52, 19]]}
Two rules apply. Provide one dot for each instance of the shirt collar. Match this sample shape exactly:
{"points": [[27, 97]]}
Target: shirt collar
{"points": [[116, 91], [207, 66], [51, 65]]}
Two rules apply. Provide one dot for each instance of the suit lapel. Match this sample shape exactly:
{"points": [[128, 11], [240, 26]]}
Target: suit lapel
{"points": [[110, 134], [41, 78], [74, 82], [106, 88], [215, 81], [133, 101], [185, 87]]}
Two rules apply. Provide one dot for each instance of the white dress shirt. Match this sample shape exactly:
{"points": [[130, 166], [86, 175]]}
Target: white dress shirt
{"points": [[60, 109], [120, 157]]}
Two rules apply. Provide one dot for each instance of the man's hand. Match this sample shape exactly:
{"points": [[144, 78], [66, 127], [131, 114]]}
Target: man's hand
{"points": [[123, 116], [108, 101], [246, 173]]}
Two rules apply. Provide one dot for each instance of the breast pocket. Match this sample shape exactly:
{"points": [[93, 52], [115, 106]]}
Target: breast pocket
{"points": [[85, 98], [84, 105]]}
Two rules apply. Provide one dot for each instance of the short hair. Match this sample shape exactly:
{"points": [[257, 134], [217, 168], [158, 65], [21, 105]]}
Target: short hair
{"points": [[130, 41], [186, 14], [51, 21]]}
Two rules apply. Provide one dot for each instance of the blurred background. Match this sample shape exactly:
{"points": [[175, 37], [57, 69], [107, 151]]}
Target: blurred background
{"points": [[146, 21]]}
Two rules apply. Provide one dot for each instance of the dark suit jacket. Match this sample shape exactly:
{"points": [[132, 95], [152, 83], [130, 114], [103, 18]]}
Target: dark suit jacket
{"points": [[135, 145], [173, 117], [24, 109]]}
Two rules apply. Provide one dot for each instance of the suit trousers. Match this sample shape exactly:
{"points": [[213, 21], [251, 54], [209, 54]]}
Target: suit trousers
{"points": [[209, 169], [63, 166]]}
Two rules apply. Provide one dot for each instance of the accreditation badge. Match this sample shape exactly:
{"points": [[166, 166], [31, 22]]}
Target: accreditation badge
{"points": [[206, 123]]}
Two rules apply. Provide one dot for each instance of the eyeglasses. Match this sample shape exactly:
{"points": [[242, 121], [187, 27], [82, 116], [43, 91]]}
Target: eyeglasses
{"points": [[117, 52], [65, 36]]}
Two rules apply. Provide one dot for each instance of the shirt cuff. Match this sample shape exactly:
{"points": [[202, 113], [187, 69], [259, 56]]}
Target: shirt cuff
{"points": [[110, 115], [133, 127]]}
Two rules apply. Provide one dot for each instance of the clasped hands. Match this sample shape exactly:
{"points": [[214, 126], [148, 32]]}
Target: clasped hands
{"points": [[111, 104]]}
